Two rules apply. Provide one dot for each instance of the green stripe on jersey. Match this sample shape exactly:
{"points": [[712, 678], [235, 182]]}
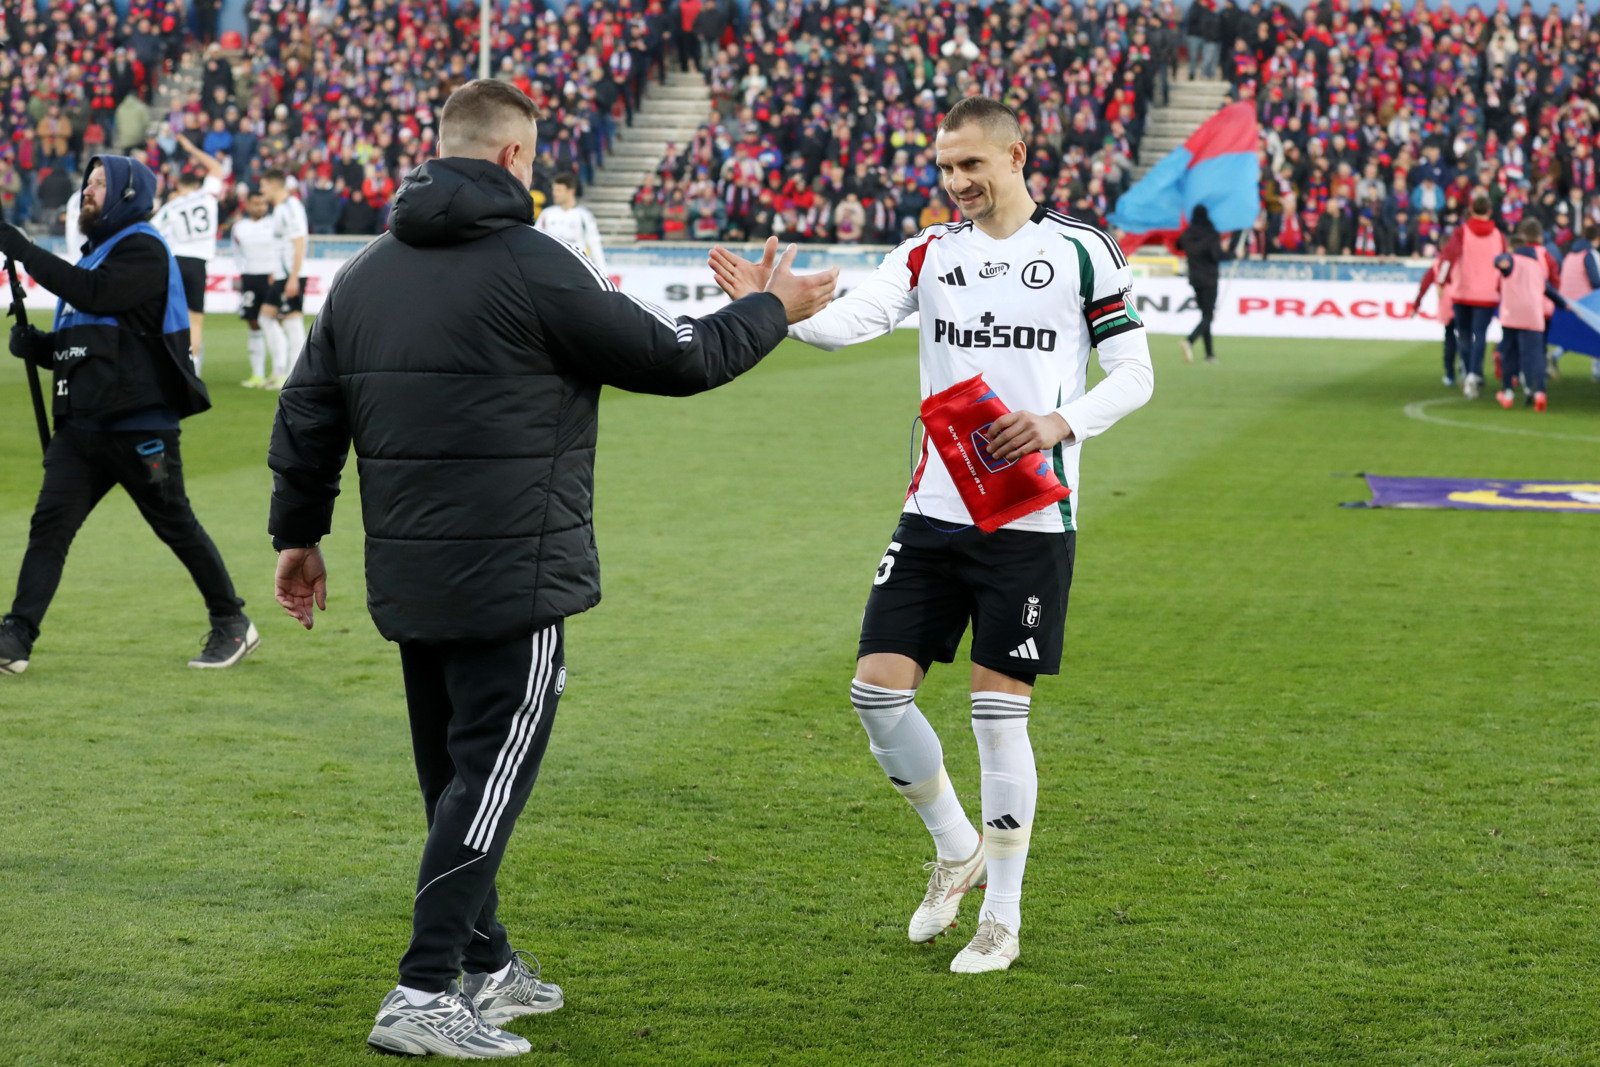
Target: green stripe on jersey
{"points": [[1085, 270], [1058, 455]]}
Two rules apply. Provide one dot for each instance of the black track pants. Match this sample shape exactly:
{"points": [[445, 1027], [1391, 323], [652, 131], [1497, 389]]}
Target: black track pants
{"points": [[480, 720]]}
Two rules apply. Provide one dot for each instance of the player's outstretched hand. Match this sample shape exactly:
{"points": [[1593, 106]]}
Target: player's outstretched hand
{"points": [[302, 580], [1018, 433], [740, 277], [802, 295]]}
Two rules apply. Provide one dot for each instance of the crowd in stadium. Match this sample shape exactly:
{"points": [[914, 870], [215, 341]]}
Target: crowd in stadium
{"points": [[347, 104], [1377, 122], [823, 113]]}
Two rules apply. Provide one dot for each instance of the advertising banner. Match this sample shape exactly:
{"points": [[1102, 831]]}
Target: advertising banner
{"points": [[1246, 307]]}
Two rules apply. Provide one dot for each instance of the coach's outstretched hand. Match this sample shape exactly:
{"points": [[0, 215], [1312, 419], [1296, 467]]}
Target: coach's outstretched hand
{"points": [[802, 295], [740, 277], [302, 580]]}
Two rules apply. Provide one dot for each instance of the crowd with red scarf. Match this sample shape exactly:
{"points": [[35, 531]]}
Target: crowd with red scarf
{"points": [[1380, 122], [823, 112]]}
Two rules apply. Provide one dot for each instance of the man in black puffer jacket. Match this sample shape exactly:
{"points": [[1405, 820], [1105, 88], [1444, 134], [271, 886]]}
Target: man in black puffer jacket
{"points": [[463, 354]]}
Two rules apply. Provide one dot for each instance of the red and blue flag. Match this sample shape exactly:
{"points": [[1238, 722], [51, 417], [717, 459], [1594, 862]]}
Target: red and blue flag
{"points": [[1217, 166], [1576, 327]]}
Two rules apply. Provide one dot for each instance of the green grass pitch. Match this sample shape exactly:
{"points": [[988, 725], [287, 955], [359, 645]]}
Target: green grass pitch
{"points": [[1317, 786]]}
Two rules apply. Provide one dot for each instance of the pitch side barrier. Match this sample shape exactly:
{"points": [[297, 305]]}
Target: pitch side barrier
{"points": [[1285, 296]]}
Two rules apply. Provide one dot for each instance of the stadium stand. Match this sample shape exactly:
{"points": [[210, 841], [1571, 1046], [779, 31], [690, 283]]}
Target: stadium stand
{"points": [[822, 113], [1378, 121], [344, 96]]}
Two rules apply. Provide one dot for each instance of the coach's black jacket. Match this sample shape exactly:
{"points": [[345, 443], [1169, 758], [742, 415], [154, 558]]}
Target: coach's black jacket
{"points": [[463, 353]]}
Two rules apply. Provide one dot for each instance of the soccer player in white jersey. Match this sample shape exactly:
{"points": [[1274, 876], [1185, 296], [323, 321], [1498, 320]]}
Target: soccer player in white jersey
{"points": [[189, 220], [257, 255], [281, 321], [1020, 294], [74, 235], [573, 224]]}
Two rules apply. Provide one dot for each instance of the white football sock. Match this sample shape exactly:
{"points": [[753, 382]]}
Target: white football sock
{"points": [[294, 329], [1010, 792], [257, 346], [277, 346], [502, 973], [908, 750], [417, 997]]}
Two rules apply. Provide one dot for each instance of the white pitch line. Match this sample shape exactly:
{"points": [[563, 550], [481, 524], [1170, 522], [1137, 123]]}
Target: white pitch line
{"points": [[1418, 410]]}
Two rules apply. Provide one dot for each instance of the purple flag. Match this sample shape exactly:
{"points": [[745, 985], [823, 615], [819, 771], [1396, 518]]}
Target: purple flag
{"points": [[1476, 494]]}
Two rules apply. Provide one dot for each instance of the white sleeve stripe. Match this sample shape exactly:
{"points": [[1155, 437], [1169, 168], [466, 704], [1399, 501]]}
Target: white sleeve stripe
{"points": [[660, 315], [605, 283]]}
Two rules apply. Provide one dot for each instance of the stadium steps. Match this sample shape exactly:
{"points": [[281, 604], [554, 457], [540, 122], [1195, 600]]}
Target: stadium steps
{"points": [[1165, 128], [670, 113]]}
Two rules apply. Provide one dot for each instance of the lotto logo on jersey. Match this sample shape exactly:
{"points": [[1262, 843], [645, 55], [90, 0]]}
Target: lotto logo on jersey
{"points": [[991, 334]]}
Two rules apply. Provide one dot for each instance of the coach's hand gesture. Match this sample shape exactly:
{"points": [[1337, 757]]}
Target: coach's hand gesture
{"points": [[302, 580], [802, 296], [739, 277]]}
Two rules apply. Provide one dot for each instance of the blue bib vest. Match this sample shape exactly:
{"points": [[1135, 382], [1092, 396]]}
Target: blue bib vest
{"points": [[105, 369]]}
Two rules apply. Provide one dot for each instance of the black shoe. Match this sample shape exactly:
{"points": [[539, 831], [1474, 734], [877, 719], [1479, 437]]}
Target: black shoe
{"points": [[230, 641], [14, 648]]}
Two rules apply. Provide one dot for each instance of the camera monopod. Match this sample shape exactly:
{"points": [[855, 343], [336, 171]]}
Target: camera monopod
{"points": [[20, 313]]}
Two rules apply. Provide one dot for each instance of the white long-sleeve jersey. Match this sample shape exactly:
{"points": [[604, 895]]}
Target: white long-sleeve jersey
{"points": [[289, 223], [256, 247], [189, 222], [1025, 313], [577, 227]]}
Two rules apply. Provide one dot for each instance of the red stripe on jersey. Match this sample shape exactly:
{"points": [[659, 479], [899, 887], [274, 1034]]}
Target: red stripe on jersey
{"points": [[1105, 309], [916, 479], [918, 254]]}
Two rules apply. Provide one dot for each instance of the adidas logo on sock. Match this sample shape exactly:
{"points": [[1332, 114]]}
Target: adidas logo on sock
{"points": [[955, 277], [1026, 650], [1004, 822]]}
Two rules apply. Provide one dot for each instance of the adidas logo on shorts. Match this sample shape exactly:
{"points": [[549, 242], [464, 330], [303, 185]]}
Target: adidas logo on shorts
{"points": [[1026, 650]]}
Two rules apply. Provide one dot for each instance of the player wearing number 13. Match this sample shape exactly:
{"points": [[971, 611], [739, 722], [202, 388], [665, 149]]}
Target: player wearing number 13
{"points": [[1020, 295], [188, 220]]}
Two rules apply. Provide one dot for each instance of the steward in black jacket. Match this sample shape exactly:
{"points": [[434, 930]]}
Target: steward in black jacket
{"points": [[463, 354], [122, 378]]}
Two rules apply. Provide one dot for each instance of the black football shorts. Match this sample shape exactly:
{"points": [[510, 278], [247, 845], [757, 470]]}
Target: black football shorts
{"points": [[934, 580], [254, 290], [193, 273], [291, 305]]}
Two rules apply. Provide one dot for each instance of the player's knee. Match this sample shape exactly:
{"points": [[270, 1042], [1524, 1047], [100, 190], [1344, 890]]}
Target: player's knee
{"points": [[879, 705], [889, 671]]}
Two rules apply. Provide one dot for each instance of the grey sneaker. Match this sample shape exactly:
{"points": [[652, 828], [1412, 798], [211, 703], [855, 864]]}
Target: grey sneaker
{"points": [[14, 648], [446, 1026], [947, 884], [229, 641], [519, 993]]}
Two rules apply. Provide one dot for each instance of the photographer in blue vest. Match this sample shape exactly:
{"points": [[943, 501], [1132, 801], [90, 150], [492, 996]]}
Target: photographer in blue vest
{"points": [[123, 378]]}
